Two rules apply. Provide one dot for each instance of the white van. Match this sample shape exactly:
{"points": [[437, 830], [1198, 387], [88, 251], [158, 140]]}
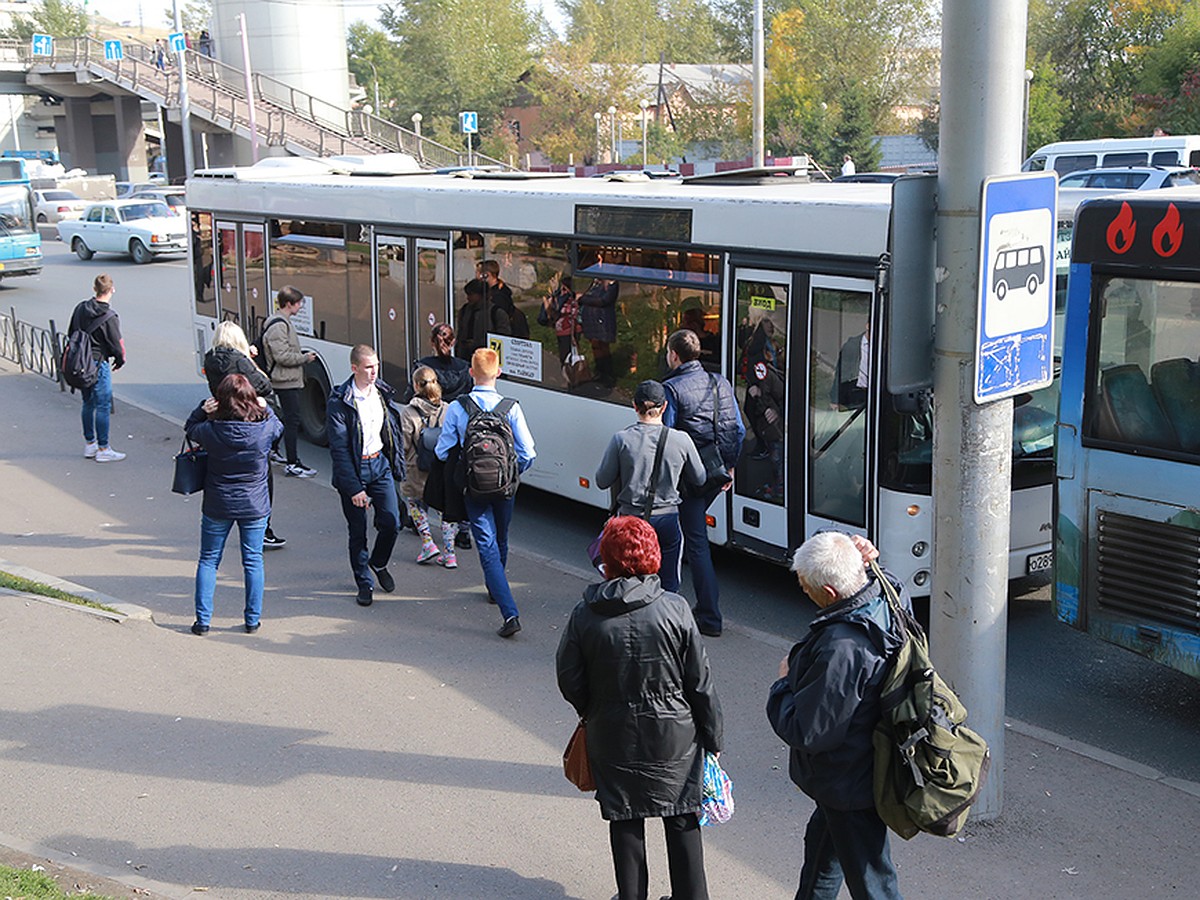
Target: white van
{"points": [[1070, 156]]}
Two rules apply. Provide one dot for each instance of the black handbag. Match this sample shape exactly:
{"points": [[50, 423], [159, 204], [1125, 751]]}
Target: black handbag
{"points": [[191, 465]]}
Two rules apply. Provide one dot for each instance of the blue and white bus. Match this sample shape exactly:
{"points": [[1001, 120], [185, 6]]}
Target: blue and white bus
{"points": [[786, 283], [1127, 562], [20, 240]]}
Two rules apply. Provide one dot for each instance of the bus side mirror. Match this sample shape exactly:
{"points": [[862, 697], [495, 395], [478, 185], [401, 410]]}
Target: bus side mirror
{"points": [[913, 403]]}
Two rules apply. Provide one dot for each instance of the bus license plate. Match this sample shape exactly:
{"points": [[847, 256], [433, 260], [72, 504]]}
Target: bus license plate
{"points": [[1039, 562]]}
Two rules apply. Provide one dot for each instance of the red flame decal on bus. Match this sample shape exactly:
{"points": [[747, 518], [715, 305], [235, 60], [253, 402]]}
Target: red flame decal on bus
{"points": [[1168, 234], [1122, 230]]}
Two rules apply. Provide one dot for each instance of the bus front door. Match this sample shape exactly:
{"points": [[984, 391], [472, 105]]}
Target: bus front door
{"points": [[241, 275], [410, 284], [763, 302]]}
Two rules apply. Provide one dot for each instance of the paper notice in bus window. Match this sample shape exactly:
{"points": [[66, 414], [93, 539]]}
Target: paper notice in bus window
{"points": [[519, 358]]}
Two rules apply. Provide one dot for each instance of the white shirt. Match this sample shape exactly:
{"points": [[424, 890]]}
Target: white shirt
{"points": [[864, 362], [370, 415], [848, 167]]}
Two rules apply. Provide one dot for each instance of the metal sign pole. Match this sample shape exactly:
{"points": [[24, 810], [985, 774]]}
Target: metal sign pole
{"points": [[185, 120]]}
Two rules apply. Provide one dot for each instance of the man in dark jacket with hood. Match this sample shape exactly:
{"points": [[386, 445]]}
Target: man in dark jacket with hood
{"points": [[368, 459], [96, 316], [825, 705], [691, 394]]}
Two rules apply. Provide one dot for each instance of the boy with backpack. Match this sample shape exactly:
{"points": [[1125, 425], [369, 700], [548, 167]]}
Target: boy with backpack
{"points": [[94, 338], [495, 446]]}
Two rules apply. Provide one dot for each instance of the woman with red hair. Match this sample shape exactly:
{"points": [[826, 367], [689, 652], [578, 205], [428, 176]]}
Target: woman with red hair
{"points": [[237, 429], [632, 664]]}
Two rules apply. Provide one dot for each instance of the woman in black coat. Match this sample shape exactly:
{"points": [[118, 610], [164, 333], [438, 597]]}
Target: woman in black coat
{"points": [[632, 664]]}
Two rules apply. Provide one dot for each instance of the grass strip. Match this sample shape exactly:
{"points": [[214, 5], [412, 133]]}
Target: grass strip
{"points": [[28, 586], [24, 884]]}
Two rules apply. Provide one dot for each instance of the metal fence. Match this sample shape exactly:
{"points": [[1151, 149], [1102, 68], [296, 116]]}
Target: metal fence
{"points": [[33, 348]]}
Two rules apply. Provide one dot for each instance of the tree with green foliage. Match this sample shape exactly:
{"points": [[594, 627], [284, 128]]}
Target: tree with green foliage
{"points": [[194, 15], [640, 31], [440, 57], [59, 18]]}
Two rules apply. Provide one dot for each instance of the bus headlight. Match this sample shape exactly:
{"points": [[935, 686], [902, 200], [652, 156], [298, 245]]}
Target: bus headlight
{"points": [[919, 548], [921, 578]]}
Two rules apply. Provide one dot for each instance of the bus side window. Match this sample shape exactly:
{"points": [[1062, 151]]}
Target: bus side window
{"points": [[1129, 412], [1176, 384]]}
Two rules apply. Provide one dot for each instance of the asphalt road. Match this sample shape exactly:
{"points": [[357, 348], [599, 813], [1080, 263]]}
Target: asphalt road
{"points": [[1059, 680]]}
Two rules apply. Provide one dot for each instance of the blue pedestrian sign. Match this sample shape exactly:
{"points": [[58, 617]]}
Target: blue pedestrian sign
{"points": [[176, 41], [43, 45], [113, 51], [469, 122], [1014, 347]]}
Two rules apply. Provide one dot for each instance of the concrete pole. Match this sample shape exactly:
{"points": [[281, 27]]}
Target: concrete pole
{"points": [[644, 104], [983, 62], [759, 70], [185, 117], [241, 17]]}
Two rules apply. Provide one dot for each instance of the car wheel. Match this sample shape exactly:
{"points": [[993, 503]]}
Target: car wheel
{"points": [[81, 249], [42, 220], [138, 251]]}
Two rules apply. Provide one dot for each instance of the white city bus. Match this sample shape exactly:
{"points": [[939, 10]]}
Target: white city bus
{"points": [[777, 275]]}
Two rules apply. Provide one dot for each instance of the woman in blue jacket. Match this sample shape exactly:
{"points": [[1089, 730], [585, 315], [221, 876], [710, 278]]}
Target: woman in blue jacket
{"points": [[237, 429]]}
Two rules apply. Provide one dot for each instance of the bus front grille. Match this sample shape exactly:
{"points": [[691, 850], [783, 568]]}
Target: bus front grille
{"points": [[1148, 569]]}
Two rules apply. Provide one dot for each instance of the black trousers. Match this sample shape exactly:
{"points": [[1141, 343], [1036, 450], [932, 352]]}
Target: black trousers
{"points": [[685, 857], [289, 405]]}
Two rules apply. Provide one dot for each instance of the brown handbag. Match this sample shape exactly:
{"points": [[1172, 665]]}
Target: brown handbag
{"points": [[576, 766]]}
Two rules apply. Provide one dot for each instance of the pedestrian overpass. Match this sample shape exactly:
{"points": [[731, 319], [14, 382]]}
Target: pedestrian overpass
{"points": [[286, 120]]}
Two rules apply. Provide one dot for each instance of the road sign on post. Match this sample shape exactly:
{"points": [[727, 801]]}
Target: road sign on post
{"points": [[1014, 347], [177, 42], [42, 45], [469, 122], [113, 51]]}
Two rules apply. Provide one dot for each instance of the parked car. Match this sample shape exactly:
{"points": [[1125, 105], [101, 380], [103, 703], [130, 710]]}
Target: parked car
{"points": [[52, 205], [142, 228], [125, 188], [174, 197], [1131, 178], [870, 177]]}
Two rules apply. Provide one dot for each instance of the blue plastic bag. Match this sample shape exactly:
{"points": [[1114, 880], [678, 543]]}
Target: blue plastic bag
{"points": [[716, 806]]}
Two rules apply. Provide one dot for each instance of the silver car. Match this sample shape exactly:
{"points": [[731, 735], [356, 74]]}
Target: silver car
{"points": [[53, 205]]}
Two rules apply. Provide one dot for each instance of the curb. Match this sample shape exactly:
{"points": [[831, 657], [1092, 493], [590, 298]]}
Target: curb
{"points": [[125, 611]]}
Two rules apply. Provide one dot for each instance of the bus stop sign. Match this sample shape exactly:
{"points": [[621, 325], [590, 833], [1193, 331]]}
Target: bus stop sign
{"points": [[1014, 346]]}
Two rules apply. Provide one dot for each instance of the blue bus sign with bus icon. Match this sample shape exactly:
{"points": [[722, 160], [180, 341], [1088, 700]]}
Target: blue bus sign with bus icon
{"points": [[1014, 349]]}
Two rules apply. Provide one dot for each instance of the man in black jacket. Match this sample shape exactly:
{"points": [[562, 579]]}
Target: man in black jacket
{"points": [[96, 315], [825, 706], [368, 459], [691, 393]]}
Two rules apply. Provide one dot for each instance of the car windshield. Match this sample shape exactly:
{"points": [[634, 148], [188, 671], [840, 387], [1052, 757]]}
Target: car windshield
{"points": [[148, 210], [15, 211]]}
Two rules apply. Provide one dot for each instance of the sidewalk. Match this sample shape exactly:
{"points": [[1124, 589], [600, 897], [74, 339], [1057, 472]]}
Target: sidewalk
{"points": [[404, 750]]}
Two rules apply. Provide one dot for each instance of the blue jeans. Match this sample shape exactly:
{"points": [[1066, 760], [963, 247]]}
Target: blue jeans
{"points": [[376, 476], [695, 547], [97, 404], [213, 533], [670, 542], [489, 525], [851, 845]]}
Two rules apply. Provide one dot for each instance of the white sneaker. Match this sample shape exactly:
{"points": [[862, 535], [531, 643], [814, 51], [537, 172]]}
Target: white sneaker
{"points": [[108, 454], [89, 450], [278, 458], [299, 470]]}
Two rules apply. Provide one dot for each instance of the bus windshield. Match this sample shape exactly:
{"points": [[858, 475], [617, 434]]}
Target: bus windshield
{"points": [[16, 213]]}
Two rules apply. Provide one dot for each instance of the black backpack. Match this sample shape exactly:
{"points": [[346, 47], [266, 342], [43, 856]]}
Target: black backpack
{"points": [[260, 345], [520, 324], [488, 462], [78, 367]]}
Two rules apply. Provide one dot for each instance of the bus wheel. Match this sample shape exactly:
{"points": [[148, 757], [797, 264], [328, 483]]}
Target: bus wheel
{"points": [[312, 404], [81, 249], [1032, 284], [1001, 290]]}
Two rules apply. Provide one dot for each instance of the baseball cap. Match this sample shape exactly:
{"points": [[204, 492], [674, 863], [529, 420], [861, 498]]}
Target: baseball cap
{"points": [[650, 392]]}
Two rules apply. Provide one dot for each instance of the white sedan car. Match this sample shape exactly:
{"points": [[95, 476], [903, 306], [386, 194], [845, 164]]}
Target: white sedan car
{"points": [[52, 205], [142, 228]]}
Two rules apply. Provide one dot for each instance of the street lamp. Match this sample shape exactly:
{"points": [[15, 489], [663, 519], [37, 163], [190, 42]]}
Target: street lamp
{"points": [[612, 131], [1025, 115], [416, 120], [597, 117], [644, 104], [374, 74]]}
